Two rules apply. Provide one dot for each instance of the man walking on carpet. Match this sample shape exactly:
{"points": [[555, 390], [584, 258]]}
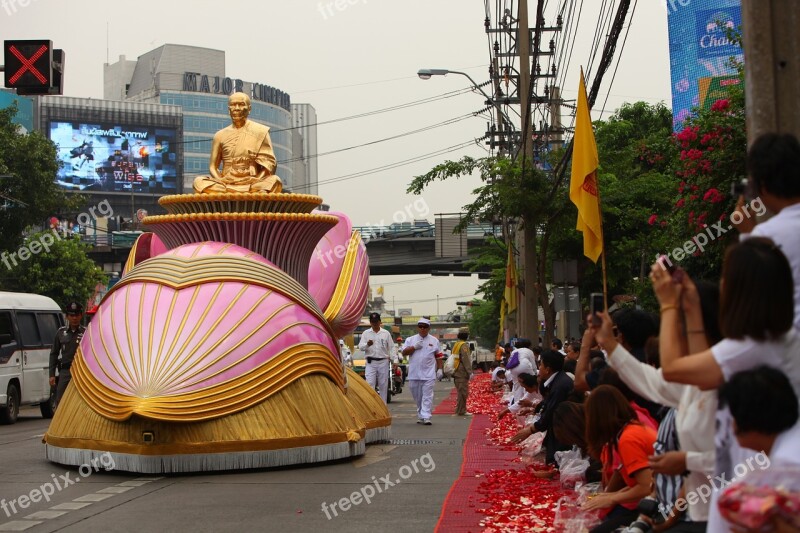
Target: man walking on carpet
{"points": [[421, 350]]}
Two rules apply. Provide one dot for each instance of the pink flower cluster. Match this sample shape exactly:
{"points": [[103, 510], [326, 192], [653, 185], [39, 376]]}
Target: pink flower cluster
{"points": [[701, 162]]}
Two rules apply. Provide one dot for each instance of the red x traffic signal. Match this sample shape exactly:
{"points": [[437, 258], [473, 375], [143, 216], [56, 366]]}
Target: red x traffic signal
{"points": [[29, 66]]}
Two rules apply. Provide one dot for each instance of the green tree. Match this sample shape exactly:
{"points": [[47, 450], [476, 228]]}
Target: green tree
{"points": [[63, 271], [635, 180], [484, 322], [28, 188], [709, 157], [511, 191]]}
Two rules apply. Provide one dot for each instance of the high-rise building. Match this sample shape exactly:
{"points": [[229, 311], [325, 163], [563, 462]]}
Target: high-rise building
{"points": [[195, 79], [304, 148]]}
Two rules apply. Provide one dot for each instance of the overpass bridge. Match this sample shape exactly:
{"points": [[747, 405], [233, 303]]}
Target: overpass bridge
{"points": [[398, 249]]}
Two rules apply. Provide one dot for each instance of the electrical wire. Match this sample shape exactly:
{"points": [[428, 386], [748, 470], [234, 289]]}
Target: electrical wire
{"points": [[390, 166], [398, 136], [427, 100], [619, 57]]}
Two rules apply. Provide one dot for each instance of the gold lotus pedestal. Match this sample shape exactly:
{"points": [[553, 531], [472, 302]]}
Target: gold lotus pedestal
{"points": [[218, 348]]}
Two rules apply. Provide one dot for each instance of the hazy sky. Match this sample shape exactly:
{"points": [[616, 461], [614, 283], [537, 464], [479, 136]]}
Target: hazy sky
{"points": [[360, 58]]}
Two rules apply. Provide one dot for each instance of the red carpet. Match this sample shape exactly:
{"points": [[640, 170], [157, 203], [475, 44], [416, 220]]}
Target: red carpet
{"points": [[495, 491], [448, 405], [460, 510]]}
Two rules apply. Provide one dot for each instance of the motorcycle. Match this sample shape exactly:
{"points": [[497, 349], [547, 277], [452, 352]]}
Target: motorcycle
{"points": [[396, 385]]}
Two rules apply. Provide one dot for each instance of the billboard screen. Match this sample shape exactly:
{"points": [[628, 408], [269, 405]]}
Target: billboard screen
{"points": [[115, 157], [700, 53]]}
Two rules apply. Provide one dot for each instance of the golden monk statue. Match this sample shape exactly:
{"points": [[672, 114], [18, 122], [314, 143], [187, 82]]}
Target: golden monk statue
{"points": [[245, 151]]}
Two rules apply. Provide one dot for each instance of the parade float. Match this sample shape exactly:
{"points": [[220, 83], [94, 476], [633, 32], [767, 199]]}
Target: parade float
{"points": [[218, 348]]}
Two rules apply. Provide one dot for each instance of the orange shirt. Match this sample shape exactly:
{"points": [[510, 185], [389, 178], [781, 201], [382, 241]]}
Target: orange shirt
{"points": [[635, 445]]}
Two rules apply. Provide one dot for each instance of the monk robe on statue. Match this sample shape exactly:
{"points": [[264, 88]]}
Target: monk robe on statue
{"points": [[245, 151]]}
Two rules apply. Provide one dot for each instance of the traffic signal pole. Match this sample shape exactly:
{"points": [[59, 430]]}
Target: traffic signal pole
{"points": [[33, 67]]}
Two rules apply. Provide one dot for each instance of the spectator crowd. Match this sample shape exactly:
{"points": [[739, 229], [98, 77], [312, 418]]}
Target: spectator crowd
{"points": [[688, 420]]}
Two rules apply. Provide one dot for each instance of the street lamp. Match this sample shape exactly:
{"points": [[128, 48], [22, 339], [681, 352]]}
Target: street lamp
{"points": [[428, 73]]}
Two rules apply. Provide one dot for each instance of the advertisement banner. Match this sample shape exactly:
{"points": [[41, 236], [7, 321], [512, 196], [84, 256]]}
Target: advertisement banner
{"points": [[115, 158], [700, 53]]}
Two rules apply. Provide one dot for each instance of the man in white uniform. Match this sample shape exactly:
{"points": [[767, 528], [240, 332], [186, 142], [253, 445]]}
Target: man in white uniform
{"points": [[377, 345], [347, 357], [422, 349]]}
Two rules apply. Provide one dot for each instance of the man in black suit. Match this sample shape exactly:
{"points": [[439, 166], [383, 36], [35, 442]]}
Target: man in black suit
{"points": [[555, 386]]}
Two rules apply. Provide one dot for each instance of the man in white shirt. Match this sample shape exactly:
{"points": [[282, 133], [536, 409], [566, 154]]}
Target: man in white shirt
{"points": [[422, 349], [378, 346], [525, 353], [347, 356], [773, 164]]}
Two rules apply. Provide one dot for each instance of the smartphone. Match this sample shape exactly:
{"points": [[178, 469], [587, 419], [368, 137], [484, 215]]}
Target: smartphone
{"points": [[672, 268], [596, 305]]}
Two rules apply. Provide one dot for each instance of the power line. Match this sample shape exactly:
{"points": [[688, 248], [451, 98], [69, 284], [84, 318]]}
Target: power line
{"points": [[619, 58], [398, 136], [307, 91], [430, 99], [393, 165]]}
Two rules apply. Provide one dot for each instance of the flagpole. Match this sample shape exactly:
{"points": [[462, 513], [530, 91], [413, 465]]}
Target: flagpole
{"points": [[584, 183], [603, 244]]}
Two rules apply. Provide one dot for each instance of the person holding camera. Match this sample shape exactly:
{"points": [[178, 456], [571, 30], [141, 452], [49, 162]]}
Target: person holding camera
{"points": [[773, 164], [377, 345]]}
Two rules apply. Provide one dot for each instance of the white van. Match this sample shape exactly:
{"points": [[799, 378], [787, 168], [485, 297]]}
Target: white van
{"points": [[28, 326]]}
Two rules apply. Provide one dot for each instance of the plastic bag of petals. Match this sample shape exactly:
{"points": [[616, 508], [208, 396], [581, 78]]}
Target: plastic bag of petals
{"points": [[763, 499], [571, 467], [571, 518], [531, 447], [507, 397], [588, 491], [531, 419]]}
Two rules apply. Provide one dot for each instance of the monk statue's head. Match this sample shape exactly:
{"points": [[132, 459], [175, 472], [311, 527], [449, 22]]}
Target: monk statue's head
{"points": [[239, 107]]}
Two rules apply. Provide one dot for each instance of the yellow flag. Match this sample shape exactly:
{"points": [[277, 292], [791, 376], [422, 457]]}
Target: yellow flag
{"points": [[583, 189], [510, 292]]}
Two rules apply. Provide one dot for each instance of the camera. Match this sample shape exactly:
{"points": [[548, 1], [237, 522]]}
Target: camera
{"points": [[647, 507], [596, 305]]}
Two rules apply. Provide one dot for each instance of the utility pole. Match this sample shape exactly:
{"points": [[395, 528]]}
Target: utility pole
{"points": [[521, 45], [528, 311], [556, 134], [772, 66]]}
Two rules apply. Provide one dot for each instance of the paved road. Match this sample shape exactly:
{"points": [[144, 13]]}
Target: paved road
{"points": [[286, 499]]}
